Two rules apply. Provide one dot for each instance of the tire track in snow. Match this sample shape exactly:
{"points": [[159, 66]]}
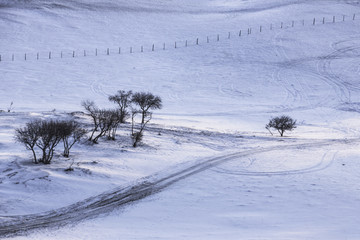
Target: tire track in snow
{"points": [[296, 93], [350, 53], [324, 163], [122, 196], [301, 90], [324, 68], [97, 88], [293, 94]]}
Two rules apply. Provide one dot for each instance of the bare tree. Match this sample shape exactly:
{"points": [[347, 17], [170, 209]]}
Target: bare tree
{"points": [[123, 99], [49, 137], [105, 121], [108, 121], [146, 101], [94, 113], [28, 136], [137, 135], [72, 133], [281, 124], [115, 120]]}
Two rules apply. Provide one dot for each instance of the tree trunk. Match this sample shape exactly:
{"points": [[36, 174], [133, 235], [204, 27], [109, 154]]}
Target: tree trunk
{"points": [[92, 134], [143, 117], [34, 154], [43, 158], [66, 148]]}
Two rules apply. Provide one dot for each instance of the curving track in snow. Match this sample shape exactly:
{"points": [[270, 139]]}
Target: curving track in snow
{"points": [[325, 162], [121, 196]]}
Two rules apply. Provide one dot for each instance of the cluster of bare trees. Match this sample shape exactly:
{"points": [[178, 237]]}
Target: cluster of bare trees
{"points": [[44, 135], [129, 104], [105, 121]]}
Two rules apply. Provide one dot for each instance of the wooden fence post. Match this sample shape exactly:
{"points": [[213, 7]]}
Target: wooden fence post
{"points": [[153, 47], [61, 54], [207, 39], [229, 35], [73, 54], [119, 50], [240, 33], [354, 16], [281, 25], [323, 20], [108, 51], [0, 57], [185, 43], [314, 21], [25, 56], [13, 57], [95, 51], [84, 53], [37, 56], [333, 19], [271, 26], [164, 46], [197, 41], [130, 49], [49, 55], [141, 49], [343, 18], [218, 37], [175, 44], [260, 28], [303, 22], [292, 23]]}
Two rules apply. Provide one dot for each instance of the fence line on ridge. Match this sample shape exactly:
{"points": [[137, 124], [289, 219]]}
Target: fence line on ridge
{"points": [[165, 46]]}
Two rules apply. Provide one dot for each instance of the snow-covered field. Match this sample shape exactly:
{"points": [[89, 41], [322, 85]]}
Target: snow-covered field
{"points": [[208, 167]]}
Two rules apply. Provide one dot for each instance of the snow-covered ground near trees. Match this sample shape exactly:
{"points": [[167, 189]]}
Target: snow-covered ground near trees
{"points": [[217, 96]]}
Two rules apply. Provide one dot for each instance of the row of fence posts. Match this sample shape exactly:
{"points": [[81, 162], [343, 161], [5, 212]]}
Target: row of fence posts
{"points": [[119, 51]]}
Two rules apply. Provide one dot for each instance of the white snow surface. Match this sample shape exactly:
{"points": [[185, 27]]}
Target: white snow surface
{"points": [[217, 96]]}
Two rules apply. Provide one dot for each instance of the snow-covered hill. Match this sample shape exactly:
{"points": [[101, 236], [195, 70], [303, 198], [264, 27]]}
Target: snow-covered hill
{"points": [[217, 95]]}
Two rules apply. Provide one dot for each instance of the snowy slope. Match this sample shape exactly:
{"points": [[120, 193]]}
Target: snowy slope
{"points": [[218, 95]]}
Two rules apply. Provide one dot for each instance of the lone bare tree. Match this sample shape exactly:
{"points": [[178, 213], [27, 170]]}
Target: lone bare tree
{"points": [[123, 99], [146, 101], [281, 124]]}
